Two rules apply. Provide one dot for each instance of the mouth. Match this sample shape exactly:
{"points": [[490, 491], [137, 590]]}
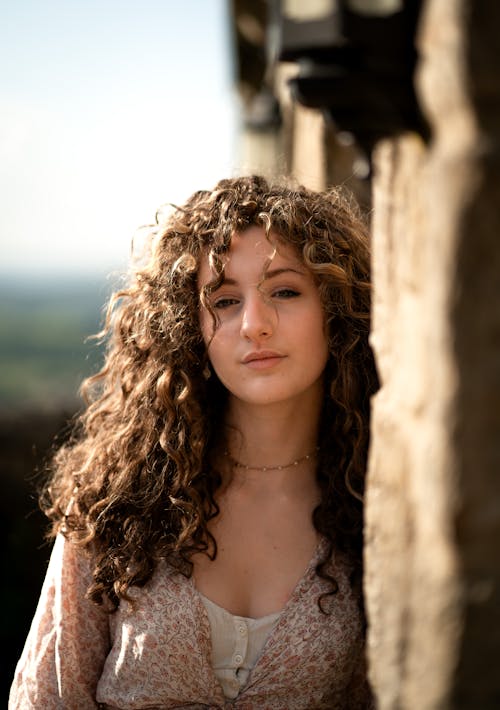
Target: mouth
{"points": [[262, 359]]}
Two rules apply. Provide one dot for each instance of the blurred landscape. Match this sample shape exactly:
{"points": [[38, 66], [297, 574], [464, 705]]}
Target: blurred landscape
{"points": [[45, 353]]}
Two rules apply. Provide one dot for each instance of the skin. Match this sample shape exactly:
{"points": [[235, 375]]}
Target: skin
{"points": [[269, 350]]}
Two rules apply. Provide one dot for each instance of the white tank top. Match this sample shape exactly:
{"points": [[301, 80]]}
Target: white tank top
{"points": [[237, 642]]}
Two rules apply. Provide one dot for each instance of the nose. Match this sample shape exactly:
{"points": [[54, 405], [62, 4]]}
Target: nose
{"points": [[258, 319]]}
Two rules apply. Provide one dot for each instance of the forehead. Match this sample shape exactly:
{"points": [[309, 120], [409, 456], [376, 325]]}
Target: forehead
{"points": [[252, 251]]}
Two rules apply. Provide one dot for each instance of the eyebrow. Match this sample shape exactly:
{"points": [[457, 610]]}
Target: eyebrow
{"points": [[267, 275]]}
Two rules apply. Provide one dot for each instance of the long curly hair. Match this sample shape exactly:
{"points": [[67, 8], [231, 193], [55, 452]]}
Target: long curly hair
{"points": [[136, 481]]}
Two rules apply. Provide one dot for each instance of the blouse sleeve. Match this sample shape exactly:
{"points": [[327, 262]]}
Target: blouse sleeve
{"points": [[68, 641]]}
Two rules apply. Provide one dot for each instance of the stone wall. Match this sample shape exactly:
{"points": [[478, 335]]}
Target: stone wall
{"points": [[433, 496]]}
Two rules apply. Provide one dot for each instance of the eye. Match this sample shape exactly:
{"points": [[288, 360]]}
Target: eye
{"points": [[222, 303], [286, 293]]}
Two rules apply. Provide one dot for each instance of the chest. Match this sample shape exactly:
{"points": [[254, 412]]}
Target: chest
{"points": [[262, 552]]}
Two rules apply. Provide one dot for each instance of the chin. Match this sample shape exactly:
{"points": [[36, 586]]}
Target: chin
{"points": [[266, 398]]}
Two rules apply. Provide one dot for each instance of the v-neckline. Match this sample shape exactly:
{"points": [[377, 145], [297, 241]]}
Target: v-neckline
{"points": [[313, 560], [227, 613], [282, 615]]}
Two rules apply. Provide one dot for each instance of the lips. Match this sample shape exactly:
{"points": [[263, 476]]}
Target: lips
{"points": [[262, 358]]}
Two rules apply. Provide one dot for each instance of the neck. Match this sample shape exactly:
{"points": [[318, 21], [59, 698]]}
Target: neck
{"points": [[264, 438]]}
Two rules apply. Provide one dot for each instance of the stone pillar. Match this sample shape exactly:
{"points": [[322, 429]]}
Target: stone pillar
{"points": [[433, 493]]}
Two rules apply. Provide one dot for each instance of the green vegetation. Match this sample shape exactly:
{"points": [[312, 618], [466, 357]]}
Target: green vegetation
{"points": [[44, 348]]}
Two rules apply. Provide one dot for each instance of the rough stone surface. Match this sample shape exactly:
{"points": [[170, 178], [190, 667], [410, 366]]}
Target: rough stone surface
{"points": [[433, 510]]}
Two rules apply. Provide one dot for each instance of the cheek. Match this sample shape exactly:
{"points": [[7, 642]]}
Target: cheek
{"points": [[317, 322], [320, 338], [217, 344], [207, 326]]}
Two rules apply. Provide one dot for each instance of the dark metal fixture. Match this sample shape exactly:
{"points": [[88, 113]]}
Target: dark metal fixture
{"points": [[357, 64]]}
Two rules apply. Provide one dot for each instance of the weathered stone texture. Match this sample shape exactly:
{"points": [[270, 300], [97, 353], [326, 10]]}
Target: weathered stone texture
{"points": [[433, 495]]}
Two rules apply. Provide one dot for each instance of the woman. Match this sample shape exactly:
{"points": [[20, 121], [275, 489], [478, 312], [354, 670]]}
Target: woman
{"points": [[208, 508]]}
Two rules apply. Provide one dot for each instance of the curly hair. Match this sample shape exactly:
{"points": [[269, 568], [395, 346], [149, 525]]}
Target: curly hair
{"points": [[136, 482]]}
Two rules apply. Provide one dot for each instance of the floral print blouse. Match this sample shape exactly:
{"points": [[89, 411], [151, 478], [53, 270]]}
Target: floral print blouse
{"points": [[156, 653]]}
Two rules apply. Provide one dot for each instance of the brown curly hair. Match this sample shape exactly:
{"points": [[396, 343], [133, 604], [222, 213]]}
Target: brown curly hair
{"points": [[136, 481]]}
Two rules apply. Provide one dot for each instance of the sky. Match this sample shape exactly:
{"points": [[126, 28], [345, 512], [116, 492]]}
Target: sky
{"points": [[108, 109]]}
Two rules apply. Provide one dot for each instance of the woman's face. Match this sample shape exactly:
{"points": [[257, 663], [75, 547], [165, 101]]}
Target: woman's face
{"points": [[270, 344]]}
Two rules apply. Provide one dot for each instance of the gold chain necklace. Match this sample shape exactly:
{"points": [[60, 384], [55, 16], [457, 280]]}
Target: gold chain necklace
{"points": [[247, 467]]}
